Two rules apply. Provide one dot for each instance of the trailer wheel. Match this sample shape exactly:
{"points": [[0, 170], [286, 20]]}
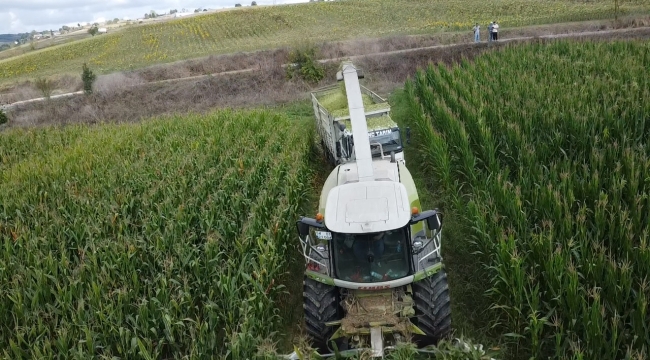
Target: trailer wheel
{"points": [[432, 307], [321, 304]]}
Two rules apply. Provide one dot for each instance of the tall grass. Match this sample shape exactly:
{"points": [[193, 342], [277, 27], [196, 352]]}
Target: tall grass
{"points": [[157, 240], [544, 150]]}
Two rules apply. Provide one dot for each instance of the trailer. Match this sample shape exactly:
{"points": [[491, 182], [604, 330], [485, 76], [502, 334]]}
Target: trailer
{"points": [[333, 123]]}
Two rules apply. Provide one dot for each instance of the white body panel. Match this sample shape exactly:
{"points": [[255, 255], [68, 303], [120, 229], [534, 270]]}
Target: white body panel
{"points": [[367, 207], [383, 170], [374, 286], [358, 119]]}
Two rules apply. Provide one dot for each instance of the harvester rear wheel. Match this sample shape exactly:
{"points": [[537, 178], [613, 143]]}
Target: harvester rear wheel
{"points": [[321, 303], [432, 307]]}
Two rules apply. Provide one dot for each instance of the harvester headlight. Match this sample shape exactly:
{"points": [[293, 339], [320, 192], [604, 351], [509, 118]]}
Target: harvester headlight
{"points": [[417, 244], [320, 248]]}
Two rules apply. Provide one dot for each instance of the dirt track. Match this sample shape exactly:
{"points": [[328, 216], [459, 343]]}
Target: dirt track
{"points": [[583, 34], [263, 82]]}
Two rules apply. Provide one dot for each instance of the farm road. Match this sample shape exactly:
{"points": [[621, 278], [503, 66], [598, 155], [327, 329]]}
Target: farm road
{"points": [[506, 40], [639, 31]]}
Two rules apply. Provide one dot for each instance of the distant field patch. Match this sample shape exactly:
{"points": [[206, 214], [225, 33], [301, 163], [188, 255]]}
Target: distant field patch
{"points": [[248, 29]]}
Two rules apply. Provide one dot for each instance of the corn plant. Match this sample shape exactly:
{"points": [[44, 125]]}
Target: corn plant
{"points": [[548, 147], [165, 239]]}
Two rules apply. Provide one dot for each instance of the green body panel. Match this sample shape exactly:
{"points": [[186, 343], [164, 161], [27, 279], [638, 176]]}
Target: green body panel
{"points": [[330, 183], [430, 271], [319, 277], [406, 179], [339, 333]]}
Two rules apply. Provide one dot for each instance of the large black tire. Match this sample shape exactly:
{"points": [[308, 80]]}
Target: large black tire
{"points": [[322, 304], [432, 308]]}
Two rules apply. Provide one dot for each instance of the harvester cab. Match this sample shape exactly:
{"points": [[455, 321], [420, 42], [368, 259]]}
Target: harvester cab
{"points": [[374, 273]]}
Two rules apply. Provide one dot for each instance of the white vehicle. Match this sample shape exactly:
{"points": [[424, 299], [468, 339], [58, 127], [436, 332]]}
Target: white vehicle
{"points": [[374, 274]]}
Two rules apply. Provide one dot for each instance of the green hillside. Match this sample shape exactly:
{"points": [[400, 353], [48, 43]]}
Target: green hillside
{"points": [[254, 28]]}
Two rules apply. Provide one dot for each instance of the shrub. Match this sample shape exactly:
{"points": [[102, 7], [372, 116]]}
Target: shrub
{"points": [[45, 86], [88, 78], [302, 61], [3, 117]]}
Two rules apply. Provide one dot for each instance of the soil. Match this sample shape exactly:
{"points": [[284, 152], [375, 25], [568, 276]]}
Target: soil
{"points": [[258, 79], [361, 311]]}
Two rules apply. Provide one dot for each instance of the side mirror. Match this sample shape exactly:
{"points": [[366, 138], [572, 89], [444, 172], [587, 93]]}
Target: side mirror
{"points": [[305, 223], [433, 218], [303, 229], [434, 222]]}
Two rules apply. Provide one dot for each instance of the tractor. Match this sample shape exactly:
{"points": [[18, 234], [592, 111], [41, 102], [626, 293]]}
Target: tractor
{"points": [[374, 274]]}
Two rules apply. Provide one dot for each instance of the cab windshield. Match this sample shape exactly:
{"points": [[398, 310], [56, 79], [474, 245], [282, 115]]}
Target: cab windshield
{"points": [[389, 139], [374, 257]]}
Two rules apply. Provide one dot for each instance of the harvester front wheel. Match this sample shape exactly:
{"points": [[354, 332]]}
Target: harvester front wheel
{"points": [[433, 307], [321, 304]]}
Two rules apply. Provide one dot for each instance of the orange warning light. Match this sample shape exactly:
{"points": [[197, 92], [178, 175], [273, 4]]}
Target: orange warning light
{"points": [[415, 210], [319, 217]]}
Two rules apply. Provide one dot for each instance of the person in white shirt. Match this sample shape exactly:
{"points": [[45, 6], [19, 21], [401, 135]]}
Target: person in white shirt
{"points": [[495, 31], [477, 36]]}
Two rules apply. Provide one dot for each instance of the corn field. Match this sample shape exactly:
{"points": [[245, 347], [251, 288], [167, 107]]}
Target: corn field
{"points": [[166, 239], [255, 28], [544, 151]]}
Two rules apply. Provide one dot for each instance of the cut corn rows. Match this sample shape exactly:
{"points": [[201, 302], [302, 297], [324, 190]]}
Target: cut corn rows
{"points": [[163, 239], [545, 151]]}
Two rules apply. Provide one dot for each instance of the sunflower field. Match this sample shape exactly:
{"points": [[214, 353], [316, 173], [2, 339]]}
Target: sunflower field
{"points": [[263, 27]]}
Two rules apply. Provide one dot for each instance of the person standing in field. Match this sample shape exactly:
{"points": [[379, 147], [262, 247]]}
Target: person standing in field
{"points": [[477, 33], [495, 29], [490, 28]]}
